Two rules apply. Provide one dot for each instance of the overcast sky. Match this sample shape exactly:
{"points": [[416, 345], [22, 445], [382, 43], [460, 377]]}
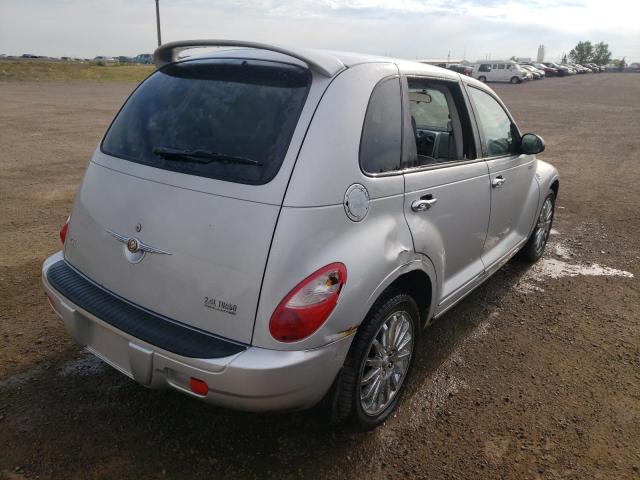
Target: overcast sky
{"points": [[402, 28]]}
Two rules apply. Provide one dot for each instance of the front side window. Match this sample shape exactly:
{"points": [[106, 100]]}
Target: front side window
{"points": [[485, 67], [381, 141], [495, 126], [228, 119]]}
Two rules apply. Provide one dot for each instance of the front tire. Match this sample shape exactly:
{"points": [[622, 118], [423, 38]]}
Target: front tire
{"points": [[515, 80], [534, 248], [372, 379], [482, 78]]}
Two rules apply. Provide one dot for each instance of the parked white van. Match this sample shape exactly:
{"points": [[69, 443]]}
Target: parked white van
{"points": [[499, 71]]}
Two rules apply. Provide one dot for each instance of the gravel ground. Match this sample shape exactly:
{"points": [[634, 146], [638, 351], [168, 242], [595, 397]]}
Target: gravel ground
{"points": [[534, 375]]}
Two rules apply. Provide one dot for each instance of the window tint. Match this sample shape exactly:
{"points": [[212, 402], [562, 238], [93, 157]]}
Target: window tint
{"points": [[238, 114], [501, 66], [380, 145], [485, 67], [495, 125]]}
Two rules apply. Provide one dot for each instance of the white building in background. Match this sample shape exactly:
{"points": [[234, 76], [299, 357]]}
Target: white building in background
{"points": [[540, 54]]}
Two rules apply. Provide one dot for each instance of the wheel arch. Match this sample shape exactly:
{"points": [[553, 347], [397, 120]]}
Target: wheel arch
{"points": [[417, 279], [547, 178], [417, 284]]}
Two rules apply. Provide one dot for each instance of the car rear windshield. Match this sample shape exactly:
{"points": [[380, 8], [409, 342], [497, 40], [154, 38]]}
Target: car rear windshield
{"points": [[228, 119]]}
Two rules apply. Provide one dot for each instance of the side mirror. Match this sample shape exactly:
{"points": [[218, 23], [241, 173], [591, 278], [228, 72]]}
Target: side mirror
{"points": [[531, 144]]}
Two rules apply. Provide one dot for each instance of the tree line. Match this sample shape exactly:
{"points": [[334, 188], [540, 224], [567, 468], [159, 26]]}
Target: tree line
{"points": [[586, 52]]}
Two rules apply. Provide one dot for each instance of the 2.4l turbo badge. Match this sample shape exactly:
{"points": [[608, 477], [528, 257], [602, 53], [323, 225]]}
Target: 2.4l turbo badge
{"points": [[220, 305]]}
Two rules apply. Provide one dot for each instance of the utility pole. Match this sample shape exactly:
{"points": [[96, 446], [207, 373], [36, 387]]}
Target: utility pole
{"points": [[158, 21]]}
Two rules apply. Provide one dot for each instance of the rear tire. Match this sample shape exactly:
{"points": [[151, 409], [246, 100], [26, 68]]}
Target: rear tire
{"points": [[534, 248], [373, 371]]}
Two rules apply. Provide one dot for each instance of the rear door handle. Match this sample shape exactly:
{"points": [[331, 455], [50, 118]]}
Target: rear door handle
{"points": [[498, 181], [424, 203]]}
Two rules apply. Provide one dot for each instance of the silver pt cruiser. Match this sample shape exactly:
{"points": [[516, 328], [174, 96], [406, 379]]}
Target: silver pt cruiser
{"points": [[264, 227]]}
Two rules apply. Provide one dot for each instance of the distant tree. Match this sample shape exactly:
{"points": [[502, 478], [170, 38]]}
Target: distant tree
{"points": [[582, 53], [514, 58], [564, 58], [601, 53], [622, 64]]}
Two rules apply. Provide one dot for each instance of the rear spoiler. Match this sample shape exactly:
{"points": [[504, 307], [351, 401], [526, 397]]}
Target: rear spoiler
{"points": [[320, 62]]}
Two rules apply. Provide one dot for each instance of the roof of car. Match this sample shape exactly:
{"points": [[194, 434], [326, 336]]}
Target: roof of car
{"points": [[325, 62]]}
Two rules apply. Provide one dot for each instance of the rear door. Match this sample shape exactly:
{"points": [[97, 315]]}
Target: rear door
{"points": [[446, 188], [179, 204], [514, 190]]}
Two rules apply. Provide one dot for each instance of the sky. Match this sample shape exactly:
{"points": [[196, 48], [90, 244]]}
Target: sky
{"points": [[435, 29]]}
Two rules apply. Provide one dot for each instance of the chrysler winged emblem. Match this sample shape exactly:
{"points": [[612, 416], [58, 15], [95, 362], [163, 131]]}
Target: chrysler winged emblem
{"points": [[134, 249], [132, 245]]}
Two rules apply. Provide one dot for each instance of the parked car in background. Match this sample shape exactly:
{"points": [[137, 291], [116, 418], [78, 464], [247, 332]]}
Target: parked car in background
{"points": [[298, 257], [499, 71], [104, 59], [584, 68], [537, 74], [144, 58], [548, 71], [561, 69], [461, 69]]}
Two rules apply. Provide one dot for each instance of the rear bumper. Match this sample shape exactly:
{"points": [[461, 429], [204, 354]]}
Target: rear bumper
{"points": [[253, 379]]}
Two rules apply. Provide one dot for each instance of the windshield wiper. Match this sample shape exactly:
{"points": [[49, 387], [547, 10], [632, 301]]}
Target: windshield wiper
{"points": [[201, 156]]}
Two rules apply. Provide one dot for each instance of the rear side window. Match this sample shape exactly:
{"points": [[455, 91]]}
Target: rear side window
{"points": [[381, 142], [228, 119]]}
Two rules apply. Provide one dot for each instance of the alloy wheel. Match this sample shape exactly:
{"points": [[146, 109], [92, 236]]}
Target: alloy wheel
{"points": [[386, 363], [543, 227]]}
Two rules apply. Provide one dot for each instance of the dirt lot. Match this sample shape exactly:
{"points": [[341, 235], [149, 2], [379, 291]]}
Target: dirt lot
{"points": [[535, 375]]}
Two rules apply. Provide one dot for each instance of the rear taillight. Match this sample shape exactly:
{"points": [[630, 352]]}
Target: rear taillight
{"points": [[309, 304], [63, 230]]}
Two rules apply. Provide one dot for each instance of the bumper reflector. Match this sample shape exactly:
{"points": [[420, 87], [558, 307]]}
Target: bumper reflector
{"points": [[198, 387]]}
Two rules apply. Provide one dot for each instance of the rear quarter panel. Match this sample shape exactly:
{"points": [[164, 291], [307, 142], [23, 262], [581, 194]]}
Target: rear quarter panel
{"points": [[313, 229]]}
